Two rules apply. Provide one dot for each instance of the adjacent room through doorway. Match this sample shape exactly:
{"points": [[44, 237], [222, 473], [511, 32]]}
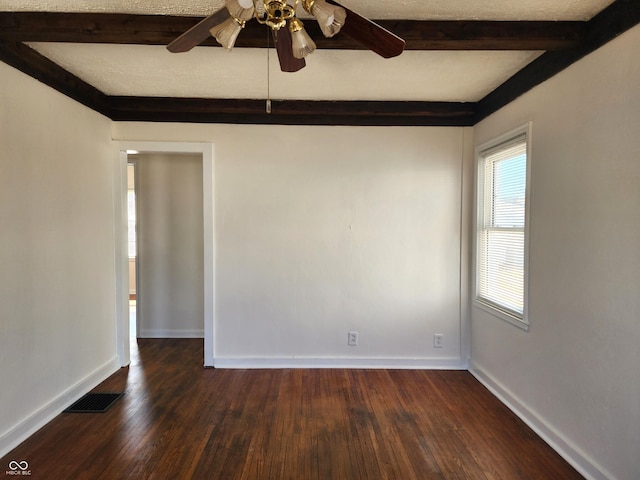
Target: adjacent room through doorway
{"points": [[166, 249]]}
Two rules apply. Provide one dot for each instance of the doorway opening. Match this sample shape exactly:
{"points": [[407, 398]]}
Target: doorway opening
{"points": [[127, 150]]}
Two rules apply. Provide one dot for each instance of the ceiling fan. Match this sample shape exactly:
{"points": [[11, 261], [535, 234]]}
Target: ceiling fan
{"points": [[291, 40]]}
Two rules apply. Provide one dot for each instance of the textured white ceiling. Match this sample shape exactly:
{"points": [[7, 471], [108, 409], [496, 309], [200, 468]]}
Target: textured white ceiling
{"points": [[330, 74], [380, 9]]}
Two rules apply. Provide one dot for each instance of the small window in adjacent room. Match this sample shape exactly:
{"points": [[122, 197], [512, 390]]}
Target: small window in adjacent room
{"points": [[501, 232], [131, 210]]}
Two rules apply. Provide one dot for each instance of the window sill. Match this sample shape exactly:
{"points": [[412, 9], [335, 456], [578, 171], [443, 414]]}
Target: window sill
{"points": [[502, 315]]}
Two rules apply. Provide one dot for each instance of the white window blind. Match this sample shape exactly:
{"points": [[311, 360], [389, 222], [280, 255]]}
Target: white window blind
{"points": [[500, 251]]}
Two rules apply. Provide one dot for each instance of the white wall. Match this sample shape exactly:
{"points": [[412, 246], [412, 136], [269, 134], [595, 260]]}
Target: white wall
{"points": [[344, 229], [323, 230], [57, 326], [574, 375], [170, 302]]}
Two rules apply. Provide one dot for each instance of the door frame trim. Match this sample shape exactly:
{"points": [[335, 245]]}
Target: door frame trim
{"points": [[120, 231]]}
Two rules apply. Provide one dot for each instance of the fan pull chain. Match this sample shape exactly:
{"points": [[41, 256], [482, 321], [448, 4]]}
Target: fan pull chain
{"points": [[268, 103]]}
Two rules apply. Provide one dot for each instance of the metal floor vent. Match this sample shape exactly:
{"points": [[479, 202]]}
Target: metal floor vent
{"points": [[94, 403]]}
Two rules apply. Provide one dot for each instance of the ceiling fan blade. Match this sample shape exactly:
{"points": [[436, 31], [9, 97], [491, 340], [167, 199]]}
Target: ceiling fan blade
{"points": [[198, 33], [371, 35], [288, 63]]}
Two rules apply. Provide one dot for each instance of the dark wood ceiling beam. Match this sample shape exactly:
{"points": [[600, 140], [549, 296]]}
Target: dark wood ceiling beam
{"points": [[109, 28], [93, 27], [44, 70], [614, 20], [487, 35], [291, 112], [161, 30]]}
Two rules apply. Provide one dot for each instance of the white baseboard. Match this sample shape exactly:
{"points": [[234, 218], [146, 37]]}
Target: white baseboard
{"points": [[159, 333], [38, 419], [339, 362], [565, 448]]}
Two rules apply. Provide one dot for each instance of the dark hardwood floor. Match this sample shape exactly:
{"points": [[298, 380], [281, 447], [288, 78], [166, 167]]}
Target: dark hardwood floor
{"points": [[178, 420]]}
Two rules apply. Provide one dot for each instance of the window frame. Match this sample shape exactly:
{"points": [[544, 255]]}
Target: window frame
{"points": [[481, 152]]}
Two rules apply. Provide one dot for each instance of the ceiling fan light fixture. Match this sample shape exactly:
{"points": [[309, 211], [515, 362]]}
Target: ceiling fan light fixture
{"points": [[241, 9], [277, 12], [301, 42], [331, 18], [227, 32]]}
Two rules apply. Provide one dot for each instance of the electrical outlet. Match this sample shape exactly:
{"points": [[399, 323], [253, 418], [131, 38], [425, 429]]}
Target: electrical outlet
{"points": [[437, 340], [353, 339]]}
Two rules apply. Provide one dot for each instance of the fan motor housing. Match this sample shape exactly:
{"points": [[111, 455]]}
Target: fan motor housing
{"points": [[278, 12]]}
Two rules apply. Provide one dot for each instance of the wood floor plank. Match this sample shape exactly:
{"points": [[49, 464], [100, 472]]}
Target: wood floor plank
{"points": [[180, 420]]}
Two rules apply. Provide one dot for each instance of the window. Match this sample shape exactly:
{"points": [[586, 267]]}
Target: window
{"points": [[131, 209], [501, 241]]}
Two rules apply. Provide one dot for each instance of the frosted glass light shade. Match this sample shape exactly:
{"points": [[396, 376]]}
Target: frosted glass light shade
{"points": [[241, 9], [227, 32], [301, 42], [330, 17]]}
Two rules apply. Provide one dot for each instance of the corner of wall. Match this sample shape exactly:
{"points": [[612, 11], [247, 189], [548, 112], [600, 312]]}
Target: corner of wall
{"points": [[565, 448], [38, 419]]}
